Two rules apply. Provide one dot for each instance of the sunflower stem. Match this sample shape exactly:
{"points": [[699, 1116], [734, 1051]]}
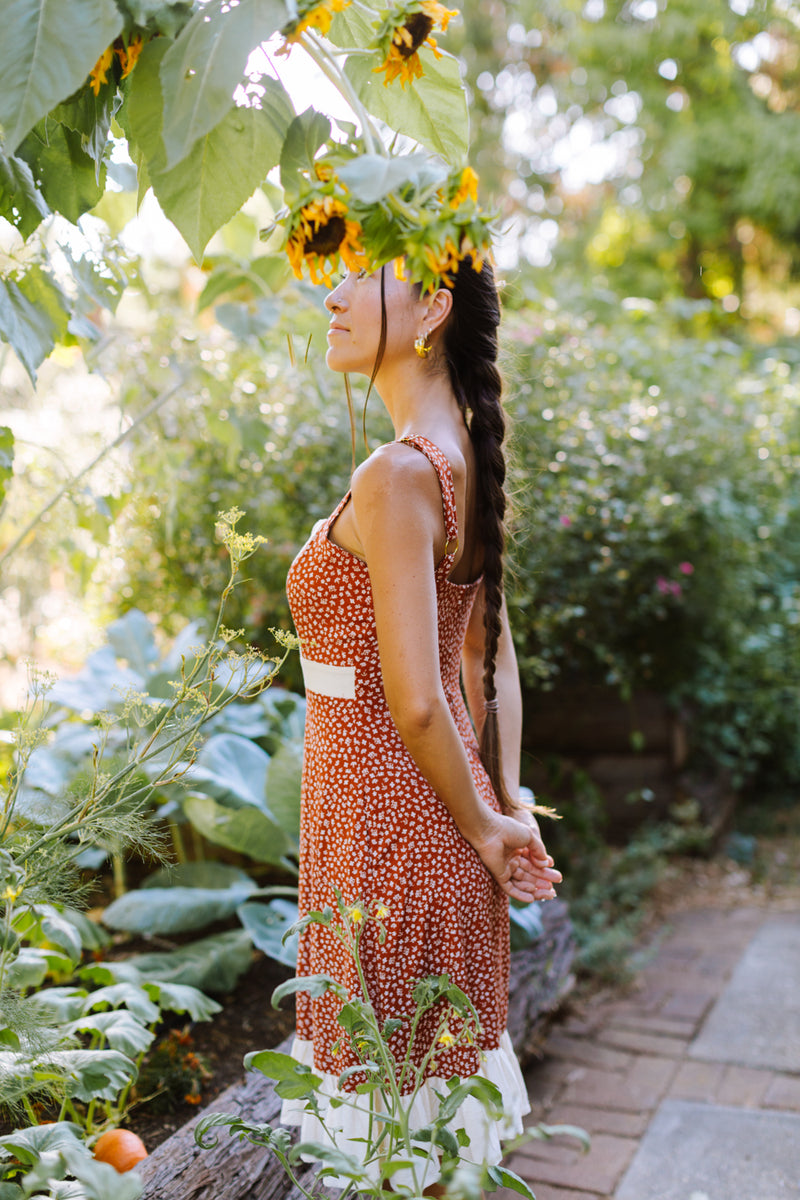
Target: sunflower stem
{"points": [[332, 71]]}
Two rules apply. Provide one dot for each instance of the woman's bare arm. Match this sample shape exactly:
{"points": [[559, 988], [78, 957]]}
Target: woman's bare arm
{"points": [[397, 510], [506, 678]]}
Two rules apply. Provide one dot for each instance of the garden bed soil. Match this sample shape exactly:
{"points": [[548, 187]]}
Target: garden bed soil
{"points": [[247, 1022]]}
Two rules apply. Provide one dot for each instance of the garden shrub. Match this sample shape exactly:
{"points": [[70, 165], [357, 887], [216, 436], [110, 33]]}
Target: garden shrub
{"points": [[659, 539]]}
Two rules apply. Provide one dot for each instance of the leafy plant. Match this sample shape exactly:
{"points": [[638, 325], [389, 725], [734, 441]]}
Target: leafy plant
{"points": [[664, 540], [205, 125], [70, 1044], [396, 1155]]}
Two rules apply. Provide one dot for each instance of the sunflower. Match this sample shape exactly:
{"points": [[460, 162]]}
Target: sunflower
{"points": [[312, 16], [321, 233], [99, 73], [406, 28], [467, 189], [129, 55]]}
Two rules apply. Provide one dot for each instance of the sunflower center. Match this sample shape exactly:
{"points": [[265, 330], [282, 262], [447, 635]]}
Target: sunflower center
{"points": [[418, 26], [328, 238]]}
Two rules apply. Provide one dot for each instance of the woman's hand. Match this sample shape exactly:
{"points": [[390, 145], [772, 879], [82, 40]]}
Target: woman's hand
{"points": [[514, 854]]}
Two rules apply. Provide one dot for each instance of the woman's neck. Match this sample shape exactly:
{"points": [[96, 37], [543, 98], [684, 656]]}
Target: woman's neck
{"points": [[417, 399]]}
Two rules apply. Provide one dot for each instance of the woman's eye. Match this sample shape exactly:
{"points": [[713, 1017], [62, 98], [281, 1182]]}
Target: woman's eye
{"points": [[362, 273]]}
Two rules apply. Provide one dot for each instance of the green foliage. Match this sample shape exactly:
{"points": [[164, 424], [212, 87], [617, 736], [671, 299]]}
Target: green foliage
{"points": [[656, 138], [76, 1046], [396, 1155], [665, 537], [204, 128]]}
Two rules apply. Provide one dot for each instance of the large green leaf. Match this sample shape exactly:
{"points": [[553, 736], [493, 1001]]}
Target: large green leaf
{"points": [[119, 1028], [89, 1074], [526, 925], [221, 172], [85, 1177], [28, 969], [204, 65], [132, 638], [304, 136], [205, 874], [433, 110], [98, 686], [247, 830], [212, 964], [370, 177], [133, 995], [60, 1003], [27, 329], [69, 179], [232, 769], [224, 167], [30, 1143], [90, 116], [181, 998], [47, 49], [21, 202], [284, 778], [174, 909], [267, 923]]}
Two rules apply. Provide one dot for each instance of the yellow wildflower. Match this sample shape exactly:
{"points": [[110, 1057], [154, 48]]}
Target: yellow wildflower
{"points": [[318, 16], [402, 58], [446, 1038], [356, 915], [322, 233], [11, 894], [99, 72], [381, 912], [467, 189]]}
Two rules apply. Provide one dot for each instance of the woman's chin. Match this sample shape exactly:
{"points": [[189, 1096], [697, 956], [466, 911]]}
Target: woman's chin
{"points": [[336, 360]]}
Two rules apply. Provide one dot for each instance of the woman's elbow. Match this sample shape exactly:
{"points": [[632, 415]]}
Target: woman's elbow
{"points": [[414, 716]]}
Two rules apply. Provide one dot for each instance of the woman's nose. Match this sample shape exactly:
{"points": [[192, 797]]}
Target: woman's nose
{"points": [[334, 301]]}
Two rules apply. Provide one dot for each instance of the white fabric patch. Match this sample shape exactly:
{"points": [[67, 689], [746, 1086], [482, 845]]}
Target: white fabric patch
{"points": [[328, 680]]}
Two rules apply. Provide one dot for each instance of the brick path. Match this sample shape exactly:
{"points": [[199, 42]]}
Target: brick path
{"points": [[609, 1065]]}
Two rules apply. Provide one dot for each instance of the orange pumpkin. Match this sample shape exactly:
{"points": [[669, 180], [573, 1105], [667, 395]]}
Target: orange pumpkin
{"points": [[121, 1148]]}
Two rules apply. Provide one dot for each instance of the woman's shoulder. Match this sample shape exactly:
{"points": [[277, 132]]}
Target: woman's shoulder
{"points": [[396, 474]]}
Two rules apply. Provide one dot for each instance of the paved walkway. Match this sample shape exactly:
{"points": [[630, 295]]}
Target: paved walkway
{"points": [[662, 1077]]}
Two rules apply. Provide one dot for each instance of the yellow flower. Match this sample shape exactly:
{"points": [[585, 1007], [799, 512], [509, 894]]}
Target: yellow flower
{"points": [[318, 16], [356, 915], [446, 1038], [467, 189], [381, 912], [402, 59], [322, 233], [98, 75], [129, 56], [11, 894]]}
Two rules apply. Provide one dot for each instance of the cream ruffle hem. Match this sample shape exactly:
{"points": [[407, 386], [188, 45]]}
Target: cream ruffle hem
{"points": [[349, 1123]]}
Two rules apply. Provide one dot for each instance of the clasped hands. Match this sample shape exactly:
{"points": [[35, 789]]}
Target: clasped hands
{"points": [[513, 852]]}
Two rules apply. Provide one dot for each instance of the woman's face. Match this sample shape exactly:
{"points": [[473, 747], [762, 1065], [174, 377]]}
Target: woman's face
{"points": [[355, 327]]}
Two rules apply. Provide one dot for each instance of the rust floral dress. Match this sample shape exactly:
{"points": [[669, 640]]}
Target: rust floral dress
{"points": [[373, 827]]}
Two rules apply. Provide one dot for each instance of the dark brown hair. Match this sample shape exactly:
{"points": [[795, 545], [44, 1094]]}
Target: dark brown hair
{"points": [[469, 349]]}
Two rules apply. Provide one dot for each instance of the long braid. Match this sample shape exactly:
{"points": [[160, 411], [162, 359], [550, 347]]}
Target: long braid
{"points": [[470, 346]]}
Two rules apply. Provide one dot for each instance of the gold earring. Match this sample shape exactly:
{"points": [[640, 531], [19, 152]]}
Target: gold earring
{"points": [[422, 345]]}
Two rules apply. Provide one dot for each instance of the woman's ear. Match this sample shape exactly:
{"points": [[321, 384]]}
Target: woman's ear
{"points": [[438, 308]]}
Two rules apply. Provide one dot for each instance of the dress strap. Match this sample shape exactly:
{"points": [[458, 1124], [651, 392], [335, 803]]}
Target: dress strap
{"points": [[438, 460]]}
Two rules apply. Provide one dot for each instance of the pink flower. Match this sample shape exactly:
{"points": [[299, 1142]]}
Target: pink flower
{"points": [[566, 521], [663, 585], [686, 568], [676, 589]]}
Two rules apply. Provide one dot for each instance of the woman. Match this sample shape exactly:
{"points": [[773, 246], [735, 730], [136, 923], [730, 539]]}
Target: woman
{"points": [[394, 593]]}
